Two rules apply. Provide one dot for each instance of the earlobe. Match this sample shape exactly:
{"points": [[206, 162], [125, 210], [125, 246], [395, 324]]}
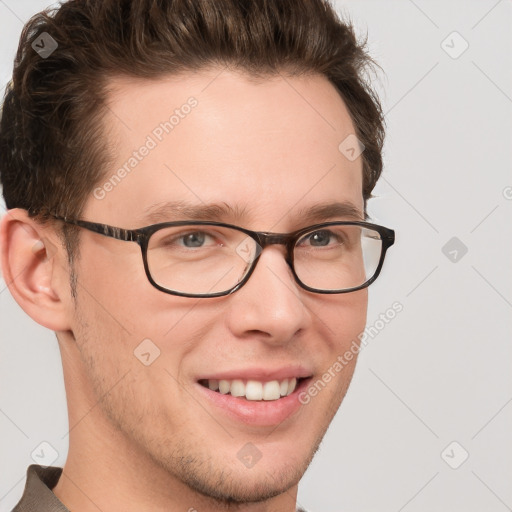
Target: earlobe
{"points": [[34, 269]]}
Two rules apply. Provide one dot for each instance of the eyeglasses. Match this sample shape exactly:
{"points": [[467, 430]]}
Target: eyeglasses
{"points": [[212, 259]]}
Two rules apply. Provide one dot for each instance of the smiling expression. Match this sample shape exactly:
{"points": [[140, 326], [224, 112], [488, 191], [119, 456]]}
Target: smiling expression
{"points": [[230, 369]]}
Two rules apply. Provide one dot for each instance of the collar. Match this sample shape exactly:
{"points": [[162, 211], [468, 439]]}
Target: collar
{"points": [[38, 495]]}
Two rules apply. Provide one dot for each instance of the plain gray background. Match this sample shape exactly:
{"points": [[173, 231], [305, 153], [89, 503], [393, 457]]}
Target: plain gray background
{"points": [[434, 385]]}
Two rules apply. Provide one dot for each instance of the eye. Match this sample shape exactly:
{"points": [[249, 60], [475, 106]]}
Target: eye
{"points": [[321, 238], [186, 240], [194, 239]]}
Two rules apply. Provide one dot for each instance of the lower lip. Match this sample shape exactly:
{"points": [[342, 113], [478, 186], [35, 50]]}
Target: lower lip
{"points": [[256, 412]]}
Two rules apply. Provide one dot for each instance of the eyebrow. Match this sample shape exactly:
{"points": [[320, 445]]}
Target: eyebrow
{"points": [[324, 212], [180, 210]]}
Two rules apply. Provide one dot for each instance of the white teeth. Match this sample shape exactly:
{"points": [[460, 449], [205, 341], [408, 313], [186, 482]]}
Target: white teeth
{"points": [[253, 389], [271, 390], [224, 386], [237, 388], [291, 386]]}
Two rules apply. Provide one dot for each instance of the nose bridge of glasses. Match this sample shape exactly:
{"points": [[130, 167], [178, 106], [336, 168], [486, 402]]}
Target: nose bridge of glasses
{"points": [[266, 239]]}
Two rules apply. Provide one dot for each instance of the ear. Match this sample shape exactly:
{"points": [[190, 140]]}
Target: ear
{"points": [[35, 269]]}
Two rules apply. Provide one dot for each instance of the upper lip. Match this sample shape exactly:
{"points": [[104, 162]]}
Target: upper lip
{"points": [[263, 374]]}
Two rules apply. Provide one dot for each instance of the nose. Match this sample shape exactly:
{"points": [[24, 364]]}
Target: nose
{"points": [[271, 303]]}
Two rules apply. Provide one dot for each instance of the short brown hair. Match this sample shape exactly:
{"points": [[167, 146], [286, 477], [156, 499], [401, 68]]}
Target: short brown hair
{"points": [[52, 151]]}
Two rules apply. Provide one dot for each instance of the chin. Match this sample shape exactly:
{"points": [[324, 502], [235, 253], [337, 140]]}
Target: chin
{"points": [[223, 480], [246, 485]]}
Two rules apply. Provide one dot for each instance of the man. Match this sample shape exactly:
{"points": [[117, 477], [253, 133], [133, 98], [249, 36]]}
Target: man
{"points": [[186, 185]]}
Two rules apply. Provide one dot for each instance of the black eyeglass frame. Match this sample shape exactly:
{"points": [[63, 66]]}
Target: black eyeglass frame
{"points": [[142, 235]]}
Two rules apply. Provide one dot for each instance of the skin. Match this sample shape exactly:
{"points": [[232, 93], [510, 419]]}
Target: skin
{"points": [[141, 437]]}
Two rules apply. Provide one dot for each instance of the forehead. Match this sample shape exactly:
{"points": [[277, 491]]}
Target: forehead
{"points": [[268, 148]]}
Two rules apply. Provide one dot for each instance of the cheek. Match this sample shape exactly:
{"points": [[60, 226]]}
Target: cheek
{"points": [[117, 295], [342, 318], [132, 375], [340, 321], [127, 325]]}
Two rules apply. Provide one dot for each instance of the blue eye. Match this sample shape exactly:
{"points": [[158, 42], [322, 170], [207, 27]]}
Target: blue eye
{"points": [[320, 238], [195, 239], [187, 240]]}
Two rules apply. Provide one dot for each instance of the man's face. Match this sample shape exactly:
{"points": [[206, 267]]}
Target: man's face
{"points": [[267, 152]]}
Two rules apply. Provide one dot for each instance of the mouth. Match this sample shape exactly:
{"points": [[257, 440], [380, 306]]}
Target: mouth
{"points": [[253, 390], [256, 403]]}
